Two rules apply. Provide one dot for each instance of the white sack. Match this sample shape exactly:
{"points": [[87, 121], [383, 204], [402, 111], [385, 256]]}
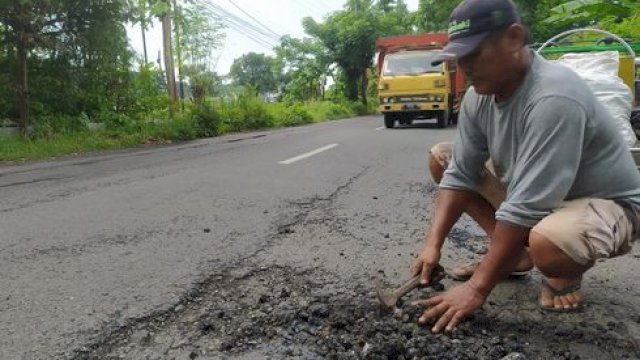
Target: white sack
{"points": [[600, 71]]}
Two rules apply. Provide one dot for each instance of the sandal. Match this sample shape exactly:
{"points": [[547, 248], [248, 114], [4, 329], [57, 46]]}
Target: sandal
{"points": [[560, 292], [465, 272]]}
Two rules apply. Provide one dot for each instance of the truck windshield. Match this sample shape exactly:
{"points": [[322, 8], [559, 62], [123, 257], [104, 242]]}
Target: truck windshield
{"points": [[410, 63]]}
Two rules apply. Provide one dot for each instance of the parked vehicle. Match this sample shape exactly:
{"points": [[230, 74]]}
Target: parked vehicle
{"points": [[627, 68], [410, 87]]}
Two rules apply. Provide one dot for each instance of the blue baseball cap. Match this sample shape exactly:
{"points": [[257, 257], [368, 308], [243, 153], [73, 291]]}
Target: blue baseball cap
{"points": [[472, 21]]}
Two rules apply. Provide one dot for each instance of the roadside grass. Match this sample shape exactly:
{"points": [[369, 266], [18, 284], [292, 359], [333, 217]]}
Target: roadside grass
{"points": [[212, 119], [20, 149], [13, 148], [321, 111]]}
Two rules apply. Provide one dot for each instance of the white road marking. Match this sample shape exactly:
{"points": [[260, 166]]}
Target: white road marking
{"points": [[306, 155], [380, 128]]}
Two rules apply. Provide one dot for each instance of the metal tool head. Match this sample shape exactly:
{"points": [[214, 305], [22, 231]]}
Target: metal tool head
{"points": [[386, 297]]}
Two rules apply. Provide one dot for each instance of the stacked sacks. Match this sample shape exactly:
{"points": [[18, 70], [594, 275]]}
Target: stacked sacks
{"points": [[600, 71]]}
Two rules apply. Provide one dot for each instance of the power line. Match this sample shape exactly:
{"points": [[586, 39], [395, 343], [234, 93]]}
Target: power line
{"points": [[254, 19], [246, 29], [226, 15], [248, 33], [223, 12], [243, 28]]}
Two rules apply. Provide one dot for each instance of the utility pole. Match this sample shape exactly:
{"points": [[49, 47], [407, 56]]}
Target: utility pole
{"points": [[159, 61], [168, 55], [144, 44], [143, 25], [178, 50], [21, 13]]}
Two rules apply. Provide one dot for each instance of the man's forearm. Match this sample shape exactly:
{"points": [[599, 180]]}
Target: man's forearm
{"points": [[507, 243], [449, 207]]}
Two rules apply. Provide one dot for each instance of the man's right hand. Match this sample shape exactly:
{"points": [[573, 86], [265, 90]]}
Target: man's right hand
{"points": [[426, 263]]}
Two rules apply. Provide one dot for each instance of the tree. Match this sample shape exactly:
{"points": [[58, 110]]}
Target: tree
{"points": [[621, 17], [201, 33], [577, 11], [198, 33], [349, 36], [628, 28], [433, 15], [69, 57], [303, 65], [534, 13], [254, 70], [27, 25], [395, 17], [141, 15]]}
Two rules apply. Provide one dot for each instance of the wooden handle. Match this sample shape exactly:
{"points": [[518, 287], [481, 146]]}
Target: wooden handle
{"points": [[437, 275], [409, 285]]}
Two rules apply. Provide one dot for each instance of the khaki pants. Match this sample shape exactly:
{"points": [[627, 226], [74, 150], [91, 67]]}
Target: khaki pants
{"points": [[585, 229]]}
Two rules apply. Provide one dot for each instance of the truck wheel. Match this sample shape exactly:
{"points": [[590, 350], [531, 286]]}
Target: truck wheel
{"points": [[443, 118], [389, 121]]}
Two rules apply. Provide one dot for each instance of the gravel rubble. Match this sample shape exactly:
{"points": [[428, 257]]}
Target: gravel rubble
{"points": [[278, 312]]}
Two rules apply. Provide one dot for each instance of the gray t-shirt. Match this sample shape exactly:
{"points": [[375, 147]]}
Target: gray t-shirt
{"points": [[551, 141]]}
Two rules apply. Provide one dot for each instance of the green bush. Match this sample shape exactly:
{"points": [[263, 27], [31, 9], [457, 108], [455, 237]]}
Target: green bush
{"points": [[47, 126], [181, 128], [114, 121], [146, 96], [256, 115], [291, 114], [247, 112], [327, 110], [373, 104], [207, 120], [338, 111], [359, 108]]}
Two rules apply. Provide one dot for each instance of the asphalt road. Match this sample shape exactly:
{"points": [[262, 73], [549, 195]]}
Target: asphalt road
{"points": [[91, 245], [87, 239]]}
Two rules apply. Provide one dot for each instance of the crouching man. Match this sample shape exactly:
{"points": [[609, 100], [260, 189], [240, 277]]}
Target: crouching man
{"points": [[537, 161]]}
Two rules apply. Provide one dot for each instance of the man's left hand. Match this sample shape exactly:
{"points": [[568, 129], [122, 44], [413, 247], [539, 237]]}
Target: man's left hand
{"points": [[451, 307]]}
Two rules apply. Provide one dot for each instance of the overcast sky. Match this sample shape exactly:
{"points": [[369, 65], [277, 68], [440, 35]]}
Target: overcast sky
{"points": [[284, 17]]}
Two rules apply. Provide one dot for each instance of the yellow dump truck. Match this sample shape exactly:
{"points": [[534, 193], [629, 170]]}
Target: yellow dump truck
{"points": [[410, 87]]}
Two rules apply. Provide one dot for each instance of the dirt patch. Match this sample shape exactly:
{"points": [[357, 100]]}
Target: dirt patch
{"points": [[282, 312]]}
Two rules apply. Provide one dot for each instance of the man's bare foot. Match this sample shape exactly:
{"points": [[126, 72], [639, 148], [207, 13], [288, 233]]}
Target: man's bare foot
{"points": [[464, 272], [560, 294]]}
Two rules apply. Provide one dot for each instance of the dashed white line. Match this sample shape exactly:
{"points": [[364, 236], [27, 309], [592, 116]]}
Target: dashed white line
{"points": [[380, 128], [306, 155]]}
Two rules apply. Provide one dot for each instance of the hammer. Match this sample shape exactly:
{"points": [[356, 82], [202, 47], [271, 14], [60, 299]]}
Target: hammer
{"points": [[389, 297]]}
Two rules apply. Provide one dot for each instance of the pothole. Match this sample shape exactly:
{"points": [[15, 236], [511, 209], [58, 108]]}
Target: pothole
{"points": [[282, 312]]}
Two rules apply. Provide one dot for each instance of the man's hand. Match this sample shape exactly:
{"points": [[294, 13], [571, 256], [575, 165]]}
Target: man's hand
{"points": [[451, 307], [426, 263]]}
